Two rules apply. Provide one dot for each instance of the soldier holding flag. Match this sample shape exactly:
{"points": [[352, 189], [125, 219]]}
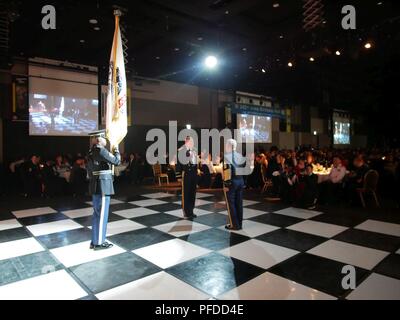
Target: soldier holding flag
{"points": [[101, 161]]}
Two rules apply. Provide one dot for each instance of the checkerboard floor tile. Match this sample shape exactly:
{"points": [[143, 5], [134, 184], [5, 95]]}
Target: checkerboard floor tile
{"points": [[380, 227], [9, 224], [259, 253], [318, 228], [281, 253], [377, 287], [136, 212], [50, 288], [148, 203], [182, 228], [169, 253], [269, 286], [153, 288], [33, 212], [349, 253], [53, 227]]}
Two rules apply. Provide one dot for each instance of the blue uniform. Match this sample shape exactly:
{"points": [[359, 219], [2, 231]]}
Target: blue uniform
{"points": [[235, 185], [101, 187]]}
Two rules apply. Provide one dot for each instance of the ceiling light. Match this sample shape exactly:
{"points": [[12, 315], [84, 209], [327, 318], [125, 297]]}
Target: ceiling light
{"points": [[93, 21], [96, 28], [338, 53], [244, 49], [211, 62], [290, 64], [176, 49], [263, 70], [276, 5], [158, 58], [312, 59], [379, 3], [368, 45], [200, 38], [82, 41], [227, 12], [281, 37]]}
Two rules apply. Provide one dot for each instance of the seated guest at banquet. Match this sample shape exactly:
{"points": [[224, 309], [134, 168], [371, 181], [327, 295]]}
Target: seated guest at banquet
{"points": [[205, 171], [50, 181], [338, 171], [31, 177], [309, 159], [275, 169], [289, 179], [131, 169], [308, 198], [254, 180], [356, 178], [14, 182], [78, 179], [332, 187]]}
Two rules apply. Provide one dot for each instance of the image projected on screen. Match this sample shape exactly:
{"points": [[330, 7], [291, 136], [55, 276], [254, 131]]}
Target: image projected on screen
{"points": [[62, 102], [341, 133], [50, 115], [255, 129]]}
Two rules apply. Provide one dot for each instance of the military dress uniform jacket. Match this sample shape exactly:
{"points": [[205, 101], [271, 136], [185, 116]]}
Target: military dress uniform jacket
{"points": [[100, 170]]}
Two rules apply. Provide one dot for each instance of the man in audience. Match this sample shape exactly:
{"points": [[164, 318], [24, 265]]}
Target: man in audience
{"points": [[310, 193], [338, 172], [31, 177], [78, 179], [356, 178]]}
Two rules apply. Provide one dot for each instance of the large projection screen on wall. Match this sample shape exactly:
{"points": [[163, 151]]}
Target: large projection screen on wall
{"points": [[341, 131], [254, 129], [62, 103]]}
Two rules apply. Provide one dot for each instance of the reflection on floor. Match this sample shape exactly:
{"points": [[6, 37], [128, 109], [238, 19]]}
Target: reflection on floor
{"points": [[282, 253]]}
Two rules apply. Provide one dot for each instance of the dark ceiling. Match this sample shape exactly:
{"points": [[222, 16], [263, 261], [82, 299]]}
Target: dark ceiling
{"points": [[168, 39]]}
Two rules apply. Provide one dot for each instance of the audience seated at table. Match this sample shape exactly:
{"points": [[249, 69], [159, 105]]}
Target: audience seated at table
{"points": [[298, 176]]}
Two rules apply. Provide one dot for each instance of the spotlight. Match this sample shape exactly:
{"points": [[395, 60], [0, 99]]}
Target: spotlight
{"points": [[312, 59], [263, 70], [290, 64], [368, 45], [211, 62], [338, 53]]}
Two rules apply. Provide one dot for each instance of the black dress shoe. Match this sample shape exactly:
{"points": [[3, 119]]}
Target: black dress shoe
{"points": [[103, 246], [91, 245], [228, 227], [192, 216]]}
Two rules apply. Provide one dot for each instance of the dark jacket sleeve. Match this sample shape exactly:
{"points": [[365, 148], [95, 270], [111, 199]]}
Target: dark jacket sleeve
{"points": [[110, 158]]}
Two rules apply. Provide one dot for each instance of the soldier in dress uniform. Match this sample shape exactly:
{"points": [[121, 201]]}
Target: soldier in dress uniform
{"points": [[101, 186], [188, 156], [233, 185]]}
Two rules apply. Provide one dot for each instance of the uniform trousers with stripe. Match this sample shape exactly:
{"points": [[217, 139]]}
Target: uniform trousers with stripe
{"points": [[189, 185], [101, 204], [234, 201]]}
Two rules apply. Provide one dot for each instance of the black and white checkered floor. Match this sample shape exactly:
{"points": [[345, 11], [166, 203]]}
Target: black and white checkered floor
{"points": [[282, 253]]}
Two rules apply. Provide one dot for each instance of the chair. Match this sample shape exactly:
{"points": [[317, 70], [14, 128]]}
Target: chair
{"points": [[158, 174], [371, 179], [267, 183]]}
